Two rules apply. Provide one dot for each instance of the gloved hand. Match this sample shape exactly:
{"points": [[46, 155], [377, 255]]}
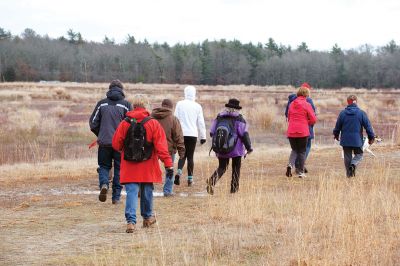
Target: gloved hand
{"points": [[370, 141], [249, 151], [202, 141], [336, 137], [170, 172]]}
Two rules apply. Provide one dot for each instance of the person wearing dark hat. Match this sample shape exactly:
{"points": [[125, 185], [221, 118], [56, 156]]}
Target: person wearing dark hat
{"points": [[349, 129], [229, 123], [173, 132], [291, 98], [103, 122]]}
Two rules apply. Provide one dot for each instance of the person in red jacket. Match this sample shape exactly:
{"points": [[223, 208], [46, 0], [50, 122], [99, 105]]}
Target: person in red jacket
{"points": [[141, 175], [300, 116]]}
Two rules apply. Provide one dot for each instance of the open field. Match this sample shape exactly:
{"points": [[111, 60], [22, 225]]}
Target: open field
{"points": [[50, 213]]}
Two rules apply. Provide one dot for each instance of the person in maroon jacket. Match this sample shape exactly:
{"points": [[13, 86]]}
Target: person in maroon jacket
{"points": [[300, 116]]}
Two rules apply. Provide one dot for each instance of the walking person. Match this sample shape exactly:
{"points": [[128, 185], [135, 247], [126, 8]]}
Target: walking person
{"points": [[174, 135], [190, 115], [106, 116], [300, 117], [349, 129], [230, 139], [139, 164], [291, 98]]}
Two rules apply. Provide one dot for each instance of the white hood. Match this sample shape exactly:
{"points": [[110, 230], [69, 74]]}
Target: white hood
{"points": [[190, 93]]}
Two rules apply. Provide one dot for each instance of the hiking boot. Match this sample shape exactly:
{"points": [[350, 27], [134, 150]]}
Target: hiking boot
{"points": [[177, 181], [289, 170], [130, 228], [352, 170], [116, 202], [103, 193], [149, 221], [210, 189], [190, 182]]}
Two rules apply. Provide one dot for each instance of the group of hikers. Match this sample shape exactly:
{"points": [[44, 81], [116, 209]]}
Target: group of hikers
{"points": [[133, 139]]}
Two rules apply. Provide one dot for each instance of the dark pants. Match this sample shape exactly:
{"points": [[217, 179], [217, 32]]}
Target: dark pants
{"points": [[105, 157], [298, 153], [308, 149], [350, 160], [223, 166], [190, 146]]}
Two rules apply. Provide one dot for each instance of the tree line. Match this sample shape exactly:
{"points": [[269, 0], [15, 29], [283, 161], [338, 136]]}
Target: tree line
{"points": [[32, 57]]}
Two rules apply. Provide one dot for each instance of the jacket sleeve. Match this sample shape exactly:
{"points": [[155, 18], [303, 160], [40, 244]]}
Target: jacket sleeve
{"points": [[119, 136], [177, 137], [242, 130], [160, 143], [310, 101], [212, 128], [312, 119], [367, 125], [338, 126], [201, 124], [94, 120]]}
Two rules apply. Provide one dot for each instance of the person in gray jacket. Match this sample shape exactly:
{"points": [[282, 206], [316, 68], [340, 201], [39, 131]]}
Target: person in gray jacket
{"points": [[103, 122]]}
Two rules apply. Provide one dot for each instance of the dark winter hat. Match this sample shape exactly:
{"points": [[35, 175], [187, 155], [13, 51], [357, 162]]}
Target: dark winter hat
{"points": [[233, 103], [167, 103], [306, 85], [116, 83]]}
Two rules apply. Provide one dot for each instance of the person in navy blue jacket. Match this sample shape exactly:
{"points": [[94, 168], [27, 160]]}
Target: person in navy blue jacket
{"points": [[103, 122], [291, 98], [349, 129]]}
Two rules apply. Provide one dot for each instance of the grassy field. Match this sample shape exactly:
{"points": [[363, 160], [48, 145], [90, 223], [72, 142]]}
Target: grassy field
{"points": [[49, 197]]}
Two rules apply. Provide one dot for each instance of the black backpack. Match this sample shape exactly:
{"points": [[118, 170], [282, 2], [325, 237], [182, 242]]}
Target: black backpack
{"points": [[136, 147], [225, 137]]}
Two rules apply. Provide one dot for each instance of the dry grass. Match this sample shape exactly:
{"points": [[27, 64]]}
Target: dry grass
{"points": [[325, 219]]}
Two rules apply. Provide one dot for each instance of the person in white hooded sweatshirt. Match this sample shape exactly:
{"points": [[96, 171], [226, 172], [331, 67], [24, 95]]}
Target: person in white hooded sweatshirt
{"points": [[190, 115]]}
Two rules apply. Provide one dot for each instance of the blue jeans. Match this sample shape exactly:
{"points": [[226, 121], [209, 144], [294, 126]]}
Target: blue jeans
{"points": [[169, 183], [105, 157], [146, 201]]}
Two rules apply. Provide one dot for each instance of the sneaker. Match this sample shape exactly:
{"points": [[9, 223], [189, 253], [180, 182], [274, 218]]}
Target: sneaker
{"points": [[289, 170], [302, 175], [130, 228], [210, 189], [177, 181], [149, 221], [190, 182], [103, 193]]}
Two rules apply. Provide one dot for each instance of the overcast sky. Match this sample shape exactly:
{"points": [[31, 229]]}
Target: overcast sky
{"points": [[319, 23]]}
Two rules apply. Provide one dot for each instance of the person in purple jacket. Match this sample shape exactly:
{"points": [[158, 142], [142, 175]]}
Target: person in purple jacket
{"points": [[240, 143]]}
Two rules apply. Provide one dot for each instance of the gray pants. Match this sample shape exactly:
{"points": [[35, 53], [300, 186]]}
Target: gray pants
{"points": [[350, 160]]}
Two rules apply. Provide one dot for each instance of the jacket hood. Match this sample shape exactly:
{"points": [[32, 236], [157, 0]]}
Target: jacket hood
{"points": [[138, 113], [190, 93], [161, 112], [291, 97], [230, 114], [115, 94], [351, 109]]}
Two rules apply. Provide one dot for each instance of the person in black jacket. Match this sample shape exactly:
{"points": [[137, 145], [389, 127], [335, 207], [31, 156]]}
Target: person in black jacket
{"points": [[103, 122]]}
